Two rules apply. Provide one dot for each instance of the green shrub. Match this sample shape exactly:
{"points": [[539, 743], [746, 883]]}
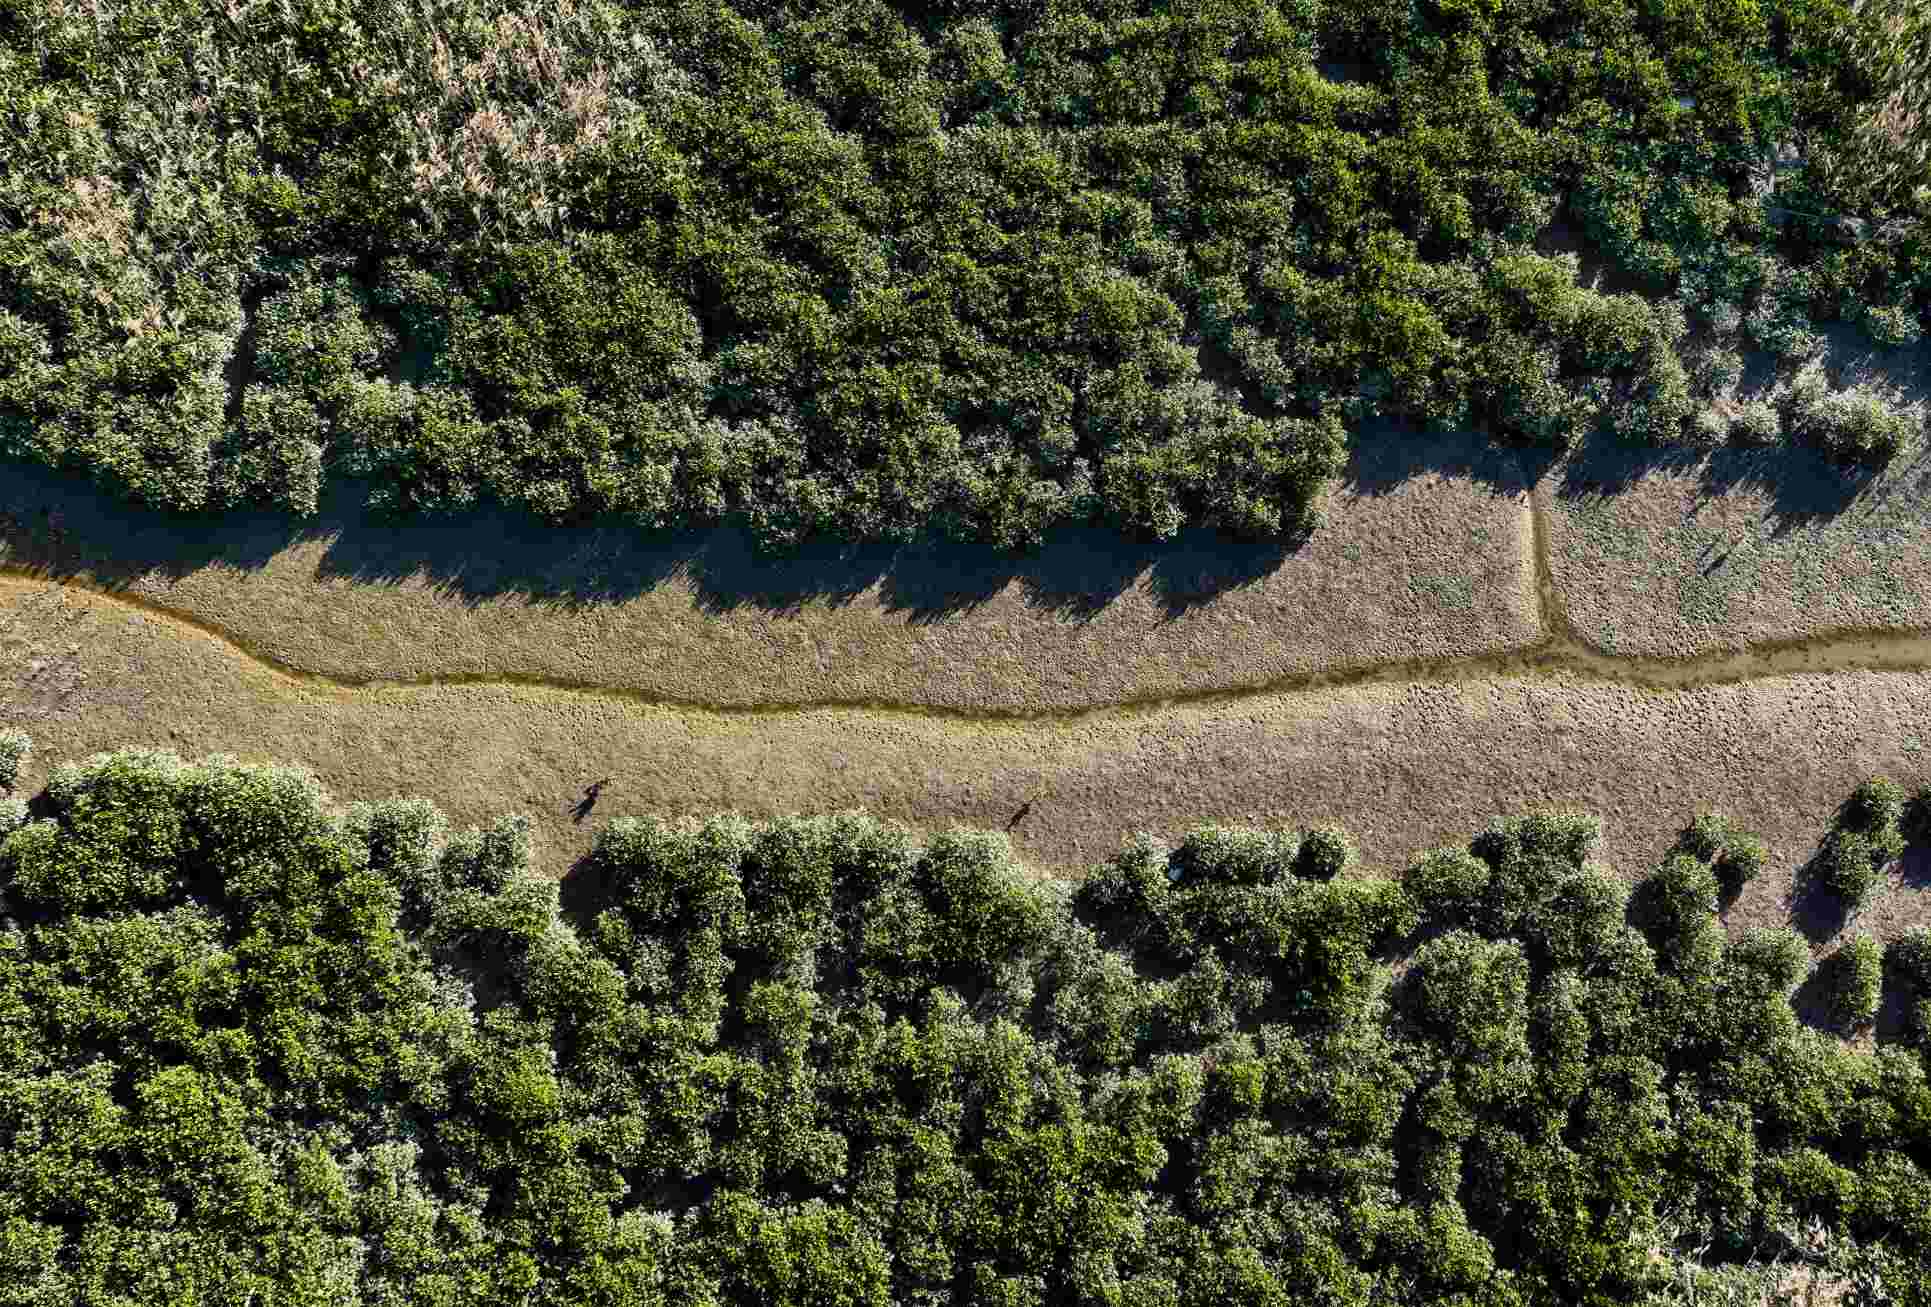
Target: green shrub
{"points": [[1804, 1182], [1735, 855], [1580, 922], [1876, 806], [405, 840], [1858, 425], [1325, 853], [1705, 837], [1677, 901], [1708, 428], [1892, 326], [13, 814], [1218, 855], [1775, 954], [1447, 884], [1756, 422], [15, 745], [1742, 858], [468, 272], [1719, 372], [1850, 866], [1473, 993], [1855, 975], [1529, 857], [1909, 955]]}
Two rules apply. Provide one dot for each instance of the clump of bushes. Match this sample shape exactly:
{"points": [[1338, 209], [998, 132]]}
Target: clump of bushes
{"points": [[1756, 422], [1892, 326], [863, 271], [815, 1060], [1866, 840], [1860, 424], [1325, 853], [1850, 866], [1909, 958], [15, 745], [1855, 974], [1734, 854], [1678, 904]]}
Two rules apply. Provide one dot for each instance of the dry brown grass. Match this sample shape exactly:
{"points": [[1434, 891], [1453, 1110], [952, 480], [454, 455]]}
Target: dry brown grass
{"points": [[1891, 147], [1434, 566], [1403, 766]]}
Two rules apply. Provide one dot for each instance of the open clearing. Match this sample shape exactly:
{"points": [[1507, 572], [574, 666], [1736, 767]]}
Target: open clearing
{"points": [[1425, 554], [1403, 764]]}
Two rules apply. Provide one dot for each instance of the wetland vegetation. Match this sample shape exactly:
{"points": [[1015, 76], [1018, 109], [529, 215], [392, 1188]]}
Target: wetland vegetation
{"points": [[254, 1045], [844, 274], [856, 270]]}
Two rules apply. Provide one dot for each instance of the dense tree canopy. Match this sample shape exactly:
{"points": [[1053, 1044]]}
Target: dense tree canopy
{"points": [[860, 268], [256, 1049]]}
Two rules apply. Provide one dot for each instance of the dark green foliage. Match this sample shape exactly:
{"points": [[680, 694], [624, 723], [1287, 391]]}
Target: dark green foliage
{"points": [[1910, 955], [1528, 857], [1868, 838], [1776, 955], [1876, 806], [1735, 855], [1448, 883], [1848, 865], [1677, 904], [248, 1047], [1325, 853], [862, 269], [1472, 995], [15, 745], [1580, 922], [1220, 856], [1856, 978]]}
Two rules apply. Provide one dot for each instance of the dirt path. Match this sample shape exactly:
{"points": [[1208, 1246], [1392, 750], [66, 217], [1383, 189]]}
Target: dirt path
{"points": [[1405, 754]]}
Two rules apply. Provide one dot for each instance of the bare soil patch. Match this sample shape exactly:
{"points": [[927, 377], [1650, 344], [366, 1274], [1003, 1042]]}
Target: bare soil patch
{"points": [[1425, 553], [1404, 766]]}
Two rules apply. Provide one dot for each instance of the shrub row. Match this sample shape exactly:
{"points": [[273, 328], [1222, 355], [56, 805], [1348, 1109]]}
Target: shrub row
{"points": [[255, 1047]]}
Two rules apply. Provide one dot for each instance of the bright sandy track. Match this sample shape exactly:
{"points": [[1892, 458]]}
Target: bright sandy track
{"points": [[1405, 753]]}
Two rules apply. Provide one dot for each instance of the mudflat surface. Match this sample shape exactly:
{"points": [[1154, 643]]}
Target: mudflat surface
{"points": [[1424, 553]]}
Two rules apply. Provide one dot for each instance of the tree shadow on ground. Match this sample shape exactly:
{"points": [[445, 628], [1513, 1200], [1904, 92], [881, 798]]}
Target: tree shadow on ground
{"points": [[66, 527], [1811, 908], [583, 892], [63, 525], [1815, 1000], [1802, 485], [1815, 1004]]}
